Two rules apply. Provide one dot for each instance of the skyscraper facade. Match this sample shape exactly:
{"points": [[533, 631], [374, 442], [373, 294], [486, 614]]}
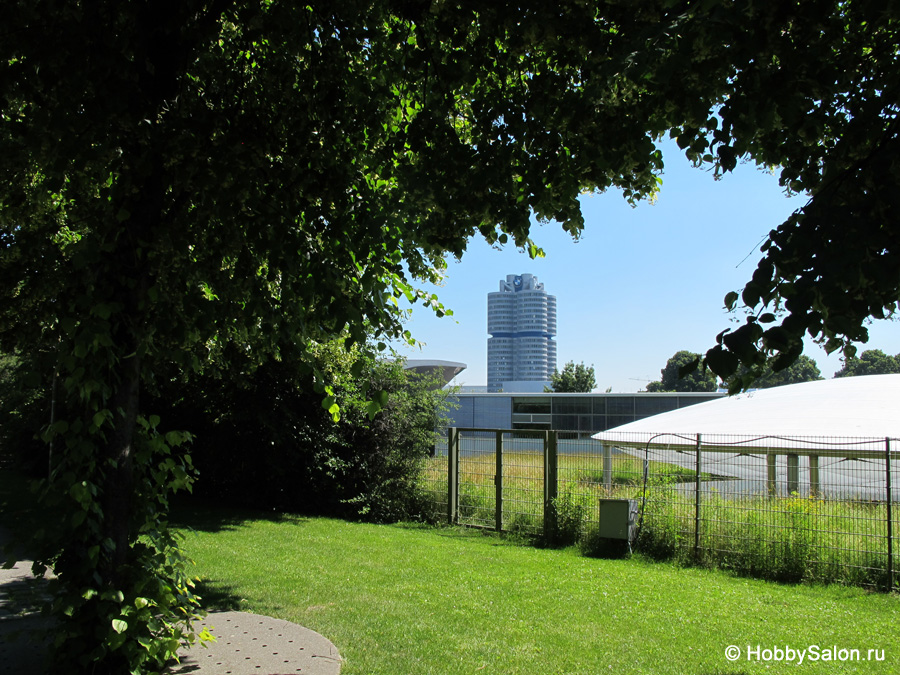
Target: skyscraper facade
{"points": [[522, 325]]}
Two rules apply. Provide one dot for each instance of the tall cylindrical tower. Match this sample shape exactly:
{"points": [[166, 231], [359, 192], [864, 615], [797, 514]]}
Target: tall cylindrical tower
{"points": [[522, 325]]}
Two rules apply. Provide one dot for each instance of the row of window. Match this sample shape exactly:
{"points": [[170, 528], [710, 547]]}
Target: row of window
{"points": [[604, 405], [586, 414], [589, 424]]}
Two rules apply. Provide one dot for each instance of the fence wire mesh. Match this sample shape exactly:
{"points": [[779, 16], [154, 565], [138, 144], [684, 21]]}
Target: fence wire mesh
{"points": [[818, 509], [434, 481]]}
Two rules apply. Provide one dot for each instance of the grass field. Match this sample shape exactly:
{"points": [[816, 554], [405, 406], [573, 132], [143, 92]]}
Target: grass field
{"points": [[783, 538], [580, 476], [404, 600]]}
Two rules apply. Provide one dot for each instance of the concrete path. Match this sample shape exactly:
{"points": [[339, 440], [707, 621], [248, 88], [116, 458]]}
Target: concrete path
{"points": [[24, 640], [250, 644], [246, 644]]}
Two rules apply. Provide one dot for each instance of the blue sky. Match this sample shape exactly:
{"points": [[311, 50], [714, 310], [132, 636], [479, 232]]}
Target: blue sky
{"points": [[641, 283]]}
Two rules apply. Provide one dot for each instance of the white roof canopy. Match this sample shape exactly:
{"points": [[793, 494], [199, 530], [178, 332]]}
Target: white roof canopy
{"points": [[793, 417], [843, 427]]}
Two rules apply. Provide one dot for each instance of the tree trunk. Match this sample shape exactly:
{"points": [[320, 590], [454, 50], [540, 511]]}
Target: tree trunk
{"points": [[131, 275], [118, 481]]}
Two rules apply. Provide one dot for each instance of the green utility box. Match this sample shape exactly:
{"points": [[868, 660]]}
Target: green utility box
{"points": [[618, 519]]}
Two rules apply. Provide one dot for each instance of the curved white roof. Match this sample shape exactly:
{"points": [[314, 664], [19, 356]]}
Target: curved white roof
{"points": [[843, 423], [447, 369], [866, 407]]}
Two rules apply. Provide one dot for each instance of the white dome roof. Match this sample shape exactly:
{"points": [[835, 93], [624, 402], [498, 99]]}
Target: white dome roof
{"points": [[847, 424], [866, 407]]}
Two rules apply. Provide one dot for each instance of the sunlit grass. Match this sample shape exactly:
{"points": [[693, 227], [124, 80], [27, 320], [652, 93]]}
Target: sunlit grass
{"points": [[401, 600]]}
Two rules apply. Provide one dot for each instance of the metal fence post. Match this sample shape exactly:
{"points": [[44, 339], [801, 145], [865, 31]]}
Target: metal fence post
{"points": [[498, 483], [814, 476], [793, 474], [607, 468], [551, 489], [890, 516], [697, 503], [554, 465], [521, 488], [452, 475]]}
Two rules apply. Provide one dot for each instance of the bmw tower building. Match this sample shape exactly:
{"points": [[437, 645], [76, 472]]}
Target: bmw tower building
{"points": [[521, 319]]}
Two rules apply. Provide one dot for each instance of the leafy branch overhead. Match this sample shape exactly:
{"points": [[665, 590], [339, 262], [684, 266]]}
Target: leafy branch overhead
{"points": [[684, 372], [186, 181], [829, 120]]}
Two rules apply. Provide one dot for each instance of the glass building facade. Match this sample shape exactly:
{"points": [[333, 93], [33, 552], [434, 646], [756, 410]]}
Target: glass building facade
{"points": [[581, 414]]}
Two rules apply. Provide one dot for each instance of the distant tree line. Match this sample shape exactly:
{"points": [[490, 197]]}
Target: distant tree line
{"points": [[683, 371], [870, 362]]}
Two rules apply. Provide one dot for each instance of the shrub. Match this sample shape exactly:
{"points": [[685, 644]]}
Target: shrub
{"points": [[26, 384], [263, 438], [571, 516]]}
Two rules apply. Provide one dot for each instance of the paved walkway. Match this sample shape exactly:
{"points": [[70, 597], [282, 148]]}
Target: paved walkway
{"points": [[23, 638], [250, 644], [246, 644]]}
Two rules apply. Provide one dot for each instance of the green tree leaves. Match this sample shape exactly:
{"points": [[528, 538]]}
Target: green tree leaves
{"points": [[183, 182], [805, 99], [684, 372], [804, 369], [870, 362], [264, 441], [573, 378]]}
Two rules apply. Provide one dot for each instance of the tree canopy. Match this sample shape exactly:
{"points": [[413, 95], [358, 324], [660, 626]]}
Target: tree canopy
{"points": [[819, 99], [870, 362], [685, 372], [804, 369], [682, 373], [182, 179], [573, 378]]}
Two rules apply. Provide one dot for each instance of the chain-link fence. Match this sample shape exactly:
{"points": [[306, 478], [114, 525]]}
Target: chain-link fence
{"points": [[498, 477], [795, 509]]}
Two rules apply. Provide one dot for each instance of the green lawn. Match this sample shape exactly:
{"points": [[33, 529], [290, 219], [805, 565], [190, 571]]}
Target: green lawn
{"points": [[410, 600]]}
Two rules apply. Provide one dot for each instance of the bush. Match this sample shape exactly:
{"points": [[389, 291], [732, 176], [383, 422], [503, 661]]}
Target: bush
{"points": [[660, 533], [26, 384], [263, 439], [571, 512]]}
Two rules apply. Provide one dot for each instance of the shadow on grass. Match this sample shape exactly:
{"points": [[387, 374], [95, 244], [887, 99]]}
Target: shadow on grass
{"points": [[205, 516], [469, 533], [217, 595]]}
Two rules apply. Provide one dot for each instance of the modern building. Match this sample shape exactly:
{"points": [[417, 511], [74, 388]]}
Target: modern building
{"points": [[521, 320], [443, 371], [578, 414]]}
